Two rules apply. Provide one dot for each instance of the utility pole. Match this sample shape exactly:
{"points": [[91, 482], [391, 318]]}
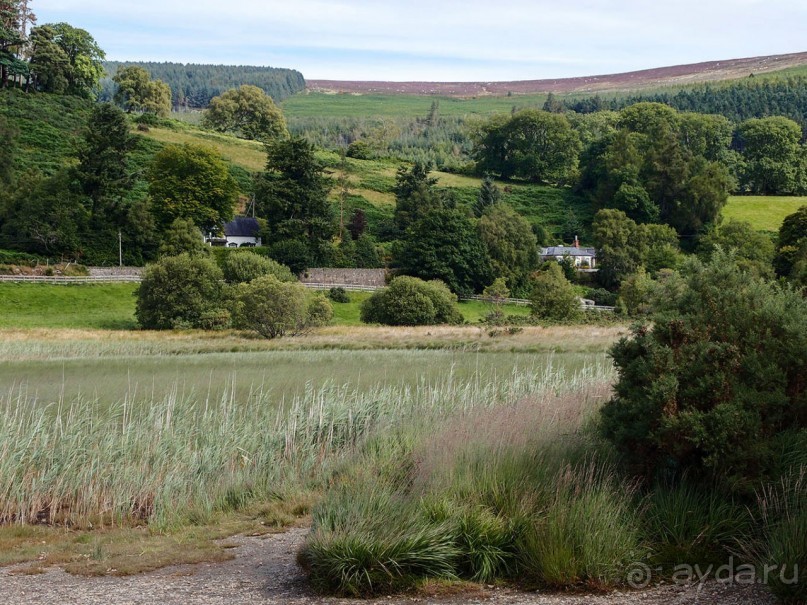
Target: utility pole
{"points": [[345, 191], [120, 249]]}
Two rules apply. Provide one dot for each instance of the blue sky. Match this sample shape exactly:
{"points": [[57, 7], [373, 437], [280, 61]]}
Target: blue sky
{"points": [[438, 40]]}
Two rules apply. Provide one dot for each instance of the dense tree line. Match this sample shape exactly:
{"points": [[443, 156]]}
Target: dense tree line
{"points": [[194, 85], [754, 97]]}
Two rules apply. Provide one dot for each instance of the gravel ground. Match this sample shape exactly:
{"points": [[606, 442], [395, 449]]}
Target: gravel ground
{"points": [[264, 572]]}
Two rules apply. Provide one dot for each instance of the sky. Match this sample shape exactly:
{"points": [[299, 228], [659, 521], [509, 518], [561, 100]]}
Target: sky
{"points": [[438, 40]]}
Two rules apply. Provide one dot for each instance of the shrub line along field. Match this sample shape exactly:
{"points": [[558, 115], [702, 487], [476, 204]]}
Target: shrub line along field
{"points": [[112, 306]]}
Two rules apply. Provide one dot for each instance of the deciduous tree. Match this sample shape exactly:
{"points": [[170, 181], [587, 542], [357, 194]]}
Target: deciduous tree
{"points": [[247, 111], [138, 92], [191, 182]]}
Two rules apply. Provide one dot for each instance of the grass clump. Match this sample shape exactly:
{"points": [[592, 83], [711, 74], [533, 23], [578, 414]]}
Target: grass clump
{"points": [[519, 500]]}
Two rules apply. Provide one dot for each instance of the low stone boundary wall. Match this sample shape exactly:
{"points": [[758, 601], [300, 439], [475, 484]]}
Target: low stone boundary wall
{"points": [[346, 277], [115, 271]]}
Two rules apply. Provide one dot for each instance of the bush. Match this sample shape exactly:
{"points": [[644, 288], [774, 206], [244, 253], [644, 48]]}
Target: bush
{"points": [[601, 297], [636, 294], [552, 296], [338, 295], [293, 253], [179, 292], [273, 308], [409, 301], [359, 150], [319, 313], [183, 237], [244, 266], [716, 383]]}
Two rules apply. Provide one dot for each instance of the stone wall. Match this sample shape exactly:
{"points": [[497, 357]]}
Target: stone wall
{"points": [[114, 271], [352, 277]]}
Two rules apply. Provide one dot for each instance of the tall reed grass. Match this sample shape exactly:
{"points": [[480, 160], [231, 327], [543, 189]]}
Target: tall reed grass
{"points": [[176, 459]]}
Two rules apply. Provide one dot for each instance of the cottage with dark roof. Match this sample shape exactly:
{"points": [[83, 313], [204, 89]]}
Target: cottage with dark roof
{"points": [[241, 232], [583, 258]]}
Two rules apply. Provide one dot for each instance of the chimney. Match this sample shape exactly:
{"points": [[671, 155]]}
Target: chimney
{"points": [[576, 242]]}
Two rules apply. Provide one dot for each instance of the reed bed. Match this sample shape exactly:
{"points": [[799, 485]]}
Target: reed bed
{"points": [[177, 459]]}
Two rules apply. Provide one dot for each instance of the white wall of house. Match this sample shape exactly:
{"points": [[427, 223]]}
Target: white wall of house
{"points": [[240, 242]]}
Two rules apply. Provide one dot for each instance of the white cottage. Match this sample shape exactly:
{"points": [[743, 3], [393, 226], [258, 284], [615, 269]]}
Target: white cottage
{"points": [[583, 258], [241, 232]]}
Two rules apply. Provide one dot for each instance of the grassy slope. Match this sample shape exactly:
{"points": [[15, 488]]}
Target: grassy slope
{"points": [[49, 128], [357, 105], [372, 181], [765, 213], [314, 104]]}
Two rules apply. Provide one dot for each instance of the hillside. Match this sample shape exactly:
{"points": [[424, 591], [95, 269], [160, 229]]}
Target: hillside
{"points": [[677, 75]]}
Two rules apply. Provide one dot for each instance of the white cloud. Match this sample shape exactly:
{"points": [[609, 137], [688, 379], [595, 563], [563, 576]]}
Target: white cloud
{"points": [[446, 40]]}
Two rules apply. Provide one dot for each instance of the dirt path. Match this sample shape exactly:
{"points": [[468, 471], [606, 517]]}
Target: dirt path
{"points": [[264, 572]]}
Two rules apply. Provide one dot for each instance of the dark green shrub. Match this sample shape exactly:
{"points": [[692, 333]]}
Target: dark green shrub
{"points": [[180, 291], [244, 266], [359, 150], [711, 388], [273, 308], [409, 301], [602, 297], [552, 296], [293, 253], [339, 295]]}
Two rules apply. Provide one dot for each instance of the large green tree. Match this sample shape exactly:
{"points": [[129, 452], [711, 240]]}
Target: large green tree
{"points": [[292, 195], [66, 59], [534, 145], [714, 389], [14, 16], [192, 182], [660, 166], [791, 247], [102, 171], [511, 245], [623, 246], [415, 194], [138, 92], [247, 111], [772, 153], [552, 296], [445, 245], [182, 292], [752, 250]]}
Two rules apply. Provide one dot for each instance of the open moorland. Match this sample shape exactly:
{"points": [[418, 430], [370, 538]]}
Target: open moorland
{"points": [[709, 71]]}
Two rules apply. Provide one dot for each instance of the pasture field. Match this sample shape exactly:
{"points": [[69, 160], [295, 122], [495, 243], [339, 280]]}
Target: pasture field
{"points": [[765, 213], [98, 306], [112, 307], [317, 104]]}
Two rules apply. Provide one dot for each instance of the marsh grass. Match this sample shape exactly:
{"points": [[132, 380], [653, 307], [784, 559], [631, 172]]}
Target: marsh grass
{"points": [[176, 461], [782, 541], [518, 490]]}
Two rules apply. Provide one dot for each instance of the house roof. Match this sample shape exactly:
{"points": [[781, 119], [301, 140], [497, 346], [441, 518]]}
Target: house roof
{"points": [[242, 226], [567, 251]]}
